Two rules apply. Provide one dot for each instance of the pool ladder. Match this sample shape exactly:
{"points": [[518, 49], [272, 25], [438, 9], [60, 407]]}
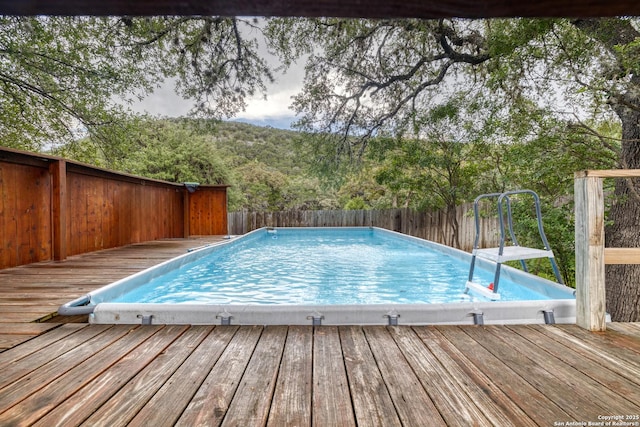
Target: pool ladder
{"points": [[505, 252]]}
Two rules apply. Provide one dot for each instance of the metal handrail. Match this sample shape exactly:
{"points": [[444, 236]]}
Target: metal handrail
{"points": [[505, 200]]}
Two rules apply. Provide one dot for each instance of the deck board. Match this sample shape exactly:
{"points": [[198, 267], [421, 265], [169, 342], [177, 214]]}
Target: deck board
{"points": [[631, 329], [450, 397], [331, 398], [411, 401], [606, 378], [479, 393], [169, 402], [74, 409], [250, 406], [33, 345], [33, 292], [292, 397], [599, 399], [212, 399], [69, 374], [125, 404], [514, 387], [372, 402], [49, 353]]}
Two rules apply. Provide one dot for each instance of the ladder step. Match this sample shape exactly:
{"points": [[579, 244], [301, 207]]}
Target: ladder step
{"points": [[482, 291], [512, 253]]}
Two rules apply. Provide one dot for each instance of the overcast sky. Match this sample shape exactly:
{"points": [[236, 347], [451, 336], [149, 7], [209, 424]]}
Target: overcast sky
{"points": [[274, 111]]}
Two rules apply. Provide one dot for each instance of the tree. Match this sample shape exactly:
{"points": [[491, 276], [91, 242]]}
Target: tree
{"points": [[373, 76], [166, 150], [64, 77], [437, 163], [620, 40], [369, 76]]}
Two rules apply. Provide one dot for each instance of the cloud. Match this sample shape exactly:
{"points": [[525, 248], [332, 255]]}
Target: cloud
{"points": [[273, 111], [164, 102]]}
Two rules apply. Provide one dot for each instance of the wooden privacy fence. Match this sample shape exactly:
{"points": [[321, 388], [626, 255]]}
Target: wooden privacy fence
{"points": [[51, 208], [432, 226]]}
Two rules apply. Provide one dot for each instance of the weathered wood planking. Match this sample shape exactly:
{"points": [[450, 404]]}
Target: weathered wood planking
{"points": [[414, 407], [51, 394], [486, 390], [331, 404], [292, 397], [99, 375], [559, 350], [79, 405], [589, 238], [29, 347], [34, 292], [434, 226], [170, 401], [123, 405], [591, 255], [37, 353], [22, 329], [211, 402], [372, 402], [612, 358], [458, 405], [251, 404], [552, 371], [513, 388]]}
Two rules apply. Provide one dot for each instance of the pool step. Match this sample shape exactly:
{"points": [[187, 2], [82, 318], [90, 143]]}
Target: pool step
{"points": [[483, 291]]}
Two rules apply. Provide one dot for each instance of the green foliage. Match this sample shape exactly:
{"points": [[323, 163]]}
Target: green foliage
{"points": [[59, 75], [360, 190], [67, 77], [506, 36], [272, 172], [546, 165], [438, 166], [370, 77]]}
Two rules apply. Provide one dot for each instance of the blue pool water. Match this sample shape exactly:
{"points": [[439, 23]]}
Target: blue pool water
{"points": [[325, 267]]}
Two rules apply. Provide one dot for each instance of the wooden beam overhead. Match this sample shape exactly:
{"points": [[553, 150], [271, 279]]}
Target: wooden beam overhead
{"points": [[316, 8]]}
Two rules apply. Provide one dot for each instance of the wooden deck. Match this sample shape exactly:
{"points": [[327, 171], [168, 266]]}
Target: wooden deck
{"points": [[33, 293], [78, 374]]}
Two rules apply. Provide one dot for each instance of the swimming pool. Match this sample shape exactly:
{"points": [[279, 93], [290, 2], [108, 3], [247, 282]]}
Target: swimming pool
{"points": [[359, 275]]}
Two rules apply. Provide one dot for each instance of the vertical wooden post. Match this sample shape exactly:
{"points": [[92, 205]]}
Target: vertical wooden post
{"points": [[589, 239], [58, 171], [187, 213]]}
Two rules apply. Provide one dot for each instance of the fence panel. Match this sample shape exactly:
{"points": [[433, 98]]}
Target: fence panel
{"points": [[51, 208], [432, 226]]}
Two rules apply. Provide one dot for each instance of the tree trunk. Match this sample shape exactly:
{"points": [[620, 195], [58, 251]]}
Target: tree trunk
{"points": [[623, 281]]}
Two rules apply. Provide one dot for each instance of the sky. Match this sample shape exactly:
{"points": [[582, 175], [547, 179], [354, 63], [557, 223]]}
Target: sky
{"points": [[274, 111]]}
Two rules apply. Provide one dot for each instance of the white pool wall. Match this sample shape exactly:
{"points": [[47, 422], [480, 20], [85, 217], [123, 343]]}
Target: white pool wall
{"points": [[502, 313]]}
